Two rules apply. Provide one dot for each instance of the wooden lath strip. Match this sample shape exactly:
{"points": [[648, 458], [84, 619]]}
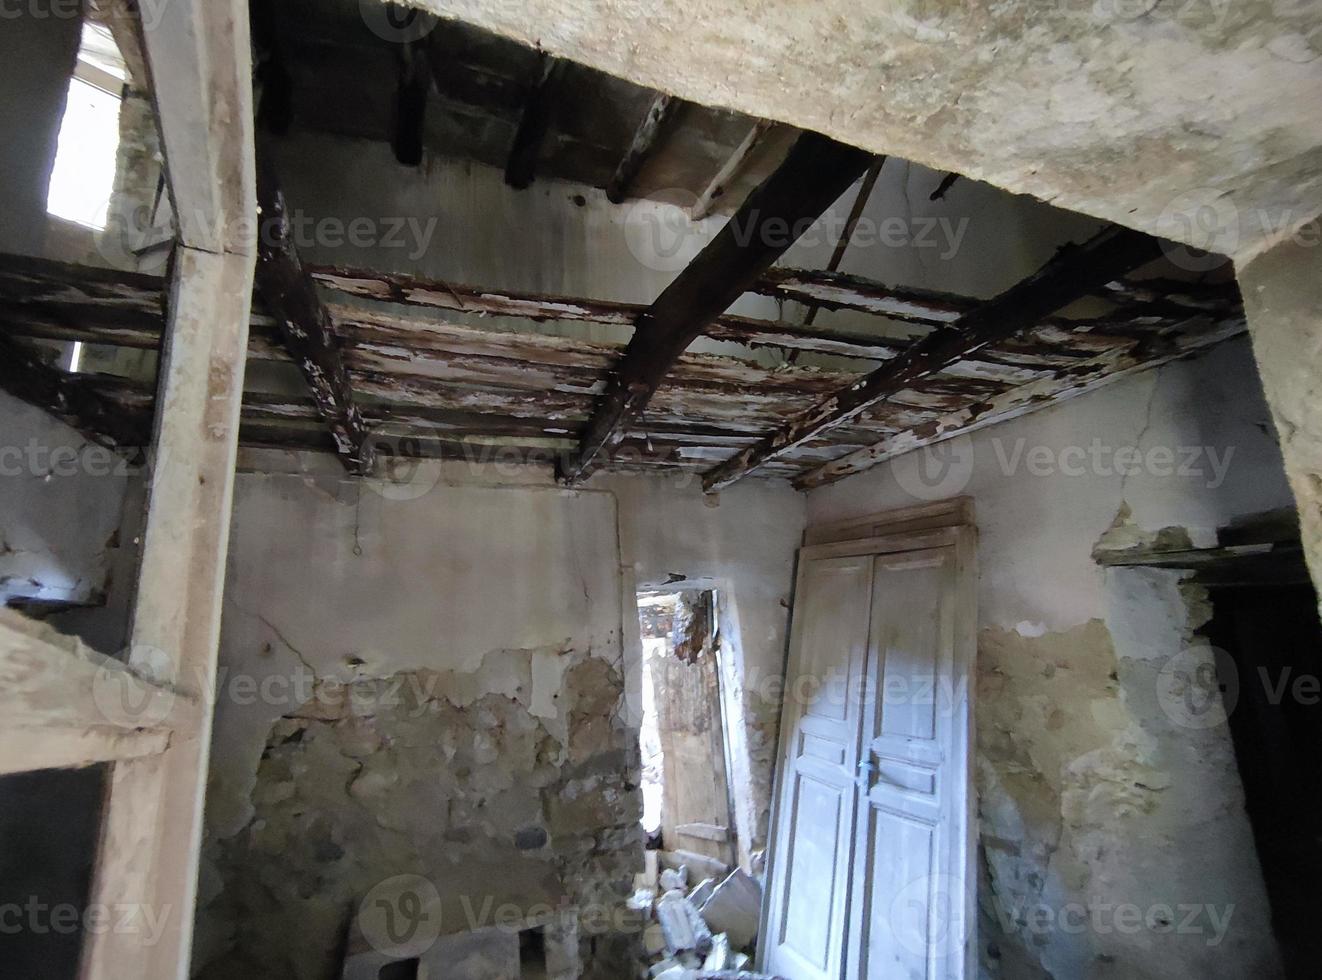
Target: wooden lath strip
{"points": [[40, 298], [1189, 337]]}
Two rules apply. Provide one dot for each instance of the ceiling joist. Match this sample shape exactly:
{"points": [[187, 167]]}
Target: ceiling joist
{"points": [[816, 172], [521, 168], [1074, 272], [644, 141], [291, 298]]}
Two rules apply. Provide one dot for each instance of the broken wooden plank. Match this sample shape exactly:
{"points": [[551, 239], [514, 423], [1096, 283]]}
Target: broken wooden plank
{"points": [[816, 172], [291, 297], [729, 171], [521, 167], [1074, 271], [644, 142]]}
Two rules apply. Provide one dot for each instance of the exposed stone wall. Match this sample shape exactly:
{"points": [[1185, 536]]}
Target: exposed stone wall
{"points": [[442, 679], [1112, 828], [461, 778]]}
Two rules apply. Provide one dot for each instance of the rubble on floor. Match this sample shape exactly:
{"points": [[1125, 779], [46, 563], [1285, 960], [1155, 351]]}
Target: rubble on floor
{"points": [[706, 931]]}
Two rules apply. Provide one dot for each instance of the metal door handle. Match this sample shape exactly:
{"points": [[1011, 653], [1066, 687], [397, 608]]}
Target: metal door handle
{"points": [[867, 772]]}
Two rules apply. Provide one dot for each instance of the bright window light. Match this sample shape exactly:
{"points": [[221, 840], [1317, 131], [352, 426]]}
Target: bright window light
{"points": [[84, 174]]}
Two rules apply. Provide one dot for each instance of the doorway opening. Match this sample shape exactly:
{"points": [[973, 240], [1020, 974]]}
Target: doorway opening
{"points": [[687, 797], [1272, 636]]}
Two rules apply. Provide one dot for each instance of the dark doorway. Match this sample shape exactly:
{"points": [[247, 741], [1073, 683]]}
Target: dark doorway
{"points": [[1274, 637]]}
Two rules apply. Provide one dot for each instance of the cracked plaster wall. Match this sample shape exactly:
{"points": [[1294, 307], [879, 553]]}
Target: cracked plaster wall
{"points": [[61, 500], [1089, 792], [503, 620]]}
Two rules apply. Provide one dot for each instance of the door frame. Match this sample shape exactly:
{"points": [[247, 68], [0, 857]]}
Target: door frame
{"points": [[947, 523]]}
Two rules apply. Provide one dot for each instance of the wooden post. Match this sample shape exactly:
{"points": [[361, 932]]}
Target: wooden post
{"points": [[201, 67]]}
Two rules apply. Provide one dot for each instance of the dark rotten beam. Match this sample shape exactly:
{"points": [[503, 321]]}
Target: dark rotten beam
{"points": [[536, 122], [644, 142], [411, 103], [1075, 271], [291, 298], [72, 398], [816, 172]]}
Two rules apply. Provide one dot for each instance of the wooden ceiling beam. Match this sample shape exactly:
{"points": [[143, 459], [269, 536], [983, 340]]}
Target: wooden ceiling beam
{"points": [[1075, 271], [290, 296], [415, 83], [71, 398], [729, 171], [644, 142], [538, 110], [814, 175]]}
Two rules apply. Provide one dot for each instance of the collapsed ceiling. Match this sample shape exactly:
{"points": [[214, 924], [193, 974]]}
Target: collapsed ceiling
{"points": [[444, 369], [432, 387]]}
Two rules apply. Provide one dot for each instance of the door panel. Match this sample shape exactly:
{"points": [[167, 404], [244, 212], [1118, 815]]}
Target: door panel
{"points": [[908, 881], [810, 881], [696, 812]]}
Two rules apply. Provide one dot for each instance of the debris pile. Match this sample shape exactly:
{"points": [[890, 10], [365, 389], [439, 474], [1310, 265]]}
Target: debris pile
{"points": [[703, 932]]}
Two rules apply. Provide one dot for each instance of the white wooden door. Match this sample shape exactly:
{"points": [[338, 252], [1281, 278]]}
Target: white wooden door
{"points": [[809, 893], [872, 846], [910, 888]]}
